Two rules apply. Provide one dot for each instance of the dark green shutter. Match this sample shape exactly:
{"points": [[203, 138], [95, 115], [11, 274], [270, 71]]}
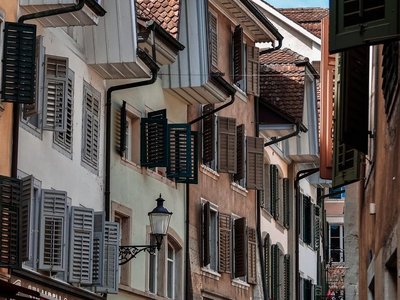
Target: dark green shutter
{"points": [[318, 292], [206, 234], [180, 162], [317, 228], [274, 189], [306, 220], [240, 153], [208, 134], [19, 70], [154, 140], [122, 132], [192, 174], [286, 203], [238, 54], [307, 289], [286, 262], [267, 262], [274, 271], [240, 248]]}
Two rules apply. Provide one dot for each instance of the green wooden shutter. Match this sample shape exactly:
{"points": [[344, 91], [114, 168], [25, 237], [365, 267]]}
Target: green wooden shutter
{"points": [[286, 203], [154, 140], [208, 134], [286, 276], [18, 72], [318, 292], [238, 54], [274, 271], [227, 145], [240, 248], [206, 234], [306, 220], [122, 130], [225, 225], [251, 256], [267, 262], [273, 190], [180, 161], [255, 162], [317, 228], [240, 153], [192, 174]]}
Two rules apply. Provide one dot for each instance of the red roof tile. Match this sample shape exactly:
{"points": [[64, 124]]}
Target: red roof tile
{"points": [[164, 12]]}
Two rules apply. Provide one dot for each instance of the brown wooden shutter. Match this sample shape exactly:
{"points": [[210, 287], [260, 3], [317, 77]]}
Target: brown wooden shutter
{"points": [[225, 225], [255, 162], [213, 39], [238, 54], [390, 73], [240, 248], [227, 145], [253, 70], [208, 134], [240, 153], [251, 256], [206, 234]]}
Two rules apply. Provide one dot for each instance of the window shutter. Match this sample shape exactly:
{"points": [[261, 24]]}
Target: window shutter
{"points": [[180, 160], [226, 145], [307, 289], [122, 130], [238, 54], [10, 196], [307, 220], [361, 22], [240, 248], [110, 260], [206, 234], [253, 70], [81, 245], [240, 153], [255, 162], [286, 203], [266, 193], [208, 134], [390, 73], [154, 138], [192, 176], [317, 228], [318, 292], [52, 230], [98, 249], [251, 256], [274, 189], [213, 39], [18, 72], [274, 271], [27, 194], [225, 224], [55, 91], [267, 262], [286, 262]]}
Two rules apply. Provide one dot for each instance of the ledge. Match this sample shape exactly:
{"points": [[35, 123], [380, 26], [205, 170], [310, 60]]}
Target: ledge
{"points": [[239, 189], [240, 284], [209, 172], [210, 273]]}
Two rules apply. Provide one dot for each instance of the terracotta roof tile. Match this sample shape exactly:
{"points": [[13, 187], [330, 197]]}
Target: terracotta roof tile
{"points": [[308, 18], [164, 12]]}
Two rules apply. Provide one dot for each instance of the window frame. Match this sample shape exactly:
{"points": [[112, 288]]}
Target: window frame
{"points": [[341, 242], [132, 147]]}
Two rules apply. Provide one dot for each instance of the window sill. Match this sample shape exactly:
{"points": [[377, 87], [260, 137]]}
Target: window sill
{"points": [[240, 284], [209, 172], [133, 291], [161, 178], [239, 189], [240, 93], [210, 273], [131, 164]]}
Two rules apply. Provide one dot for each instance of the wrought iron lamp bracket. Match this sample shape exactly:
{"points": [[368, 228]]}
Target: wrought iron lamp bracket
{"points": [[126, 253]]}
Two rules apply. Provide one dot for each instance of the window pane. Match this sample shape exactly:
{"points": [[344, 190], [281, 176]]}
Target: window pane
{"points": [[153, 273], [170, 272]]}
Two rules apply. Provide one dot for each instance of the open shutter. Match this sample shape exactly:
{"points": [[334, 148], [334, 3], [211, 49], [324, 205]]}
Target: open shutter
{"points": [[307, 220], [238, 54], [98, 249], [390, 73], [226, 145], [27, 194], [255, 162], [193, 172], [274, 189], [318, 292], [52, 230], [240, 163], [110, 259], [55, 93], [180, 160], [251, 256], [225, 225], [317, 228], [253, 70], [266, 192], [206, 234], [286, 203], [18, 72], [286, 275], [208, 134], [154, 140], [81, 245], [267, 262], [122, 130], [10, 197], [274, 271], [213, 39], [240, 248]]}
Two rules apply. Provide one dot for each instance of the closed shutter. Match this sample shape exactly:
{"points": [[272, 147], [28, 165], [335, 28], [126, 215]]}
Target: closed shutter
{"points": [[318, 292], [253, 70], [213, 39], [240, 248], [307, 220], [266, 194], [274, 271], [122, 130], [267, 263], [227, 145], [307, 289], [81, 245], [225, 225], [180, 160], [192, 174], [286, 203], [18, 72], [238, 54], [206, 234], [10, 196], [27, 194], [274, 189], [390, 73], [98, 248], [286, 275], [53, 224], [55, 93], [240, 164], [208, 134], [317, 228], [255, 162], [154, 137], [251, 256]]}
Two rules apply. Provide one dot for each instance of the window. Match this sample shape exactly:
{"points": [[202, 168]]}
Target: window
{"points": [[132, 133], [171, 269], [336, 243], [239, 245], [338, 193], [276, 194], [91, 128], [210, 236], [242, 83], [306, 216]]}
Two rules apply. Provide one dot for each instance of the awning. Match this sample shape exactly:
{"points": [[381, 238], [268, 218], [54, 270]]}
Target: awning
{"points": [[13, 291]]}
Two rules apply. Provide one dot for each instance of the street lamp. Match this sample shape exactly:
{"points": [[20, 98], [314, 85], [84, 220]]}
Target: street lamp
{"points": [[159, 223]]}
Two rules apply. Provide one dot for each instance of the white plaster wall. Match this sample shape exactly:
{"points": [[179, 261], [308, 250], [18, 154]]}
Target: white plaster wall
{"points": [[39, 158], [307, 262]]}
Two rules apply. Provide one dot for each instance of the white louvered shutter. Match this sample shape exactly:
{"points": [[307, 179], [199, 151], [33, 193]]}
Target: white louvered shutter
{"points": [[98, 246], [25, 216], [81, 245]]}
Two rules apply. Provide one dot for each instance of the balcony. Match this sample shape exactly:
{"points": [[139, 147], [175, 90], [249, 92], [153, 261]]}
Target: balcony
{"points": [[88, 15]]}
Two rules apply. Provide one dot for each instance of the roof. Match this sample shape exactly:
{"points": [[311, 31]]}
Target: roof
{"points": [[309, 18], [282, 81], [164, 12]]}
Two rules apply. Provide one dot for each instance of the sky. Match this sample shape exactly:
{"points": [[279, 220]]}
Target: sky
{"points": [[298, 3]]}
